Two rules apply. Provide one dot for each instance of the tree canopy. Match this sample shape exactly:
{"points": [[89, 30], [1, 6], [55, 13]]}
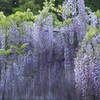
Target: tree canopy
{"points": [[11, 6]]}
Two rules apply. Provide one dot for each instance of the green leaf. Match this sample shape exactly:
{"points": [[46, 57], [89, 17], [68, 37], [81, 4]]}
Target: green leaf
{"points": [[7, 52], [2, 52], [13, 47], [23, 46], [91, 31], [97, 13]]}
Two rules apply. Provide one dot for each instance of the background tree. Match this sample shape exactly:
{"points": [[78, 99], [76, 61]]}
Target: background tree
{"points": [[5, 6], [11, 6], [93, 4]]}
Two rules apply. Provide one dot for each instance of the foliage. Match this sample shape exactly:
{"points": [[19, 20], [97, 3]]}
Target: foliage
{"points": [[56, 12], [4, 21], [93, 4], [19, 49], [11, 6], [68, 21], [91, 31], [48, 6], [28, 16], [88, 10], [7, 22], [58, 23], [20, 17], [5, 6], [27, 5], [49, 9], [5, 52], [97, 13]]}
